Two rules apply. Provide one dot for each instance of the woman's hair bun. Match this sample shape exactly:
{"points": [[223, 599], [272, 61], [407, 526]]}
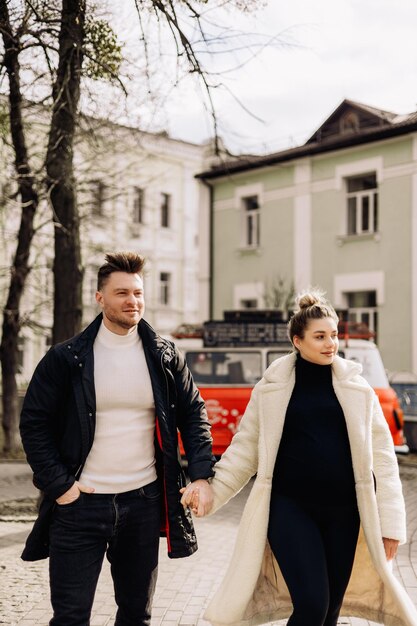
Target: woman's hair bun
{"points": [[310, 298], [310, 305]]}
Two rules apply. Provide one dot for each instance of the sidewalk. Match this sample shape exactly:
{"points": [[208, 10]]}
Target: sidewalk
{"points": [[16, 481], [184, 585]]}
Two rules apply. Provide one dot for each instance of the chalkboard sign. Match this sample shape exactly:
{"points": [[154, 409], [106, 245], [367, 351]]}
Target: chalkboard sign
{"points": [[244, 334], [253, 315]]}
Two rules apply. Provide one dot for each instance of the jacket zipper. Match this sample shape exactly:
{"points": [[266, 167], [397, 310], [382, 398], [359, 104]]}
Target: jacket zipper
{"points": [[165, 376], [168, 529]]}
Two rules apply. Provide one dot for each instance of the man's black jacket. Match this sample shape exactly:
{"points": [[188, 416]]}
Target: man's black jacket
{"points": [[58, 421]]}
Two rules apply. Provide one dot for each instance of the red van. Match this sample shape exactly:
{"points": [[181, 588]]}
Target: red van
{"points": [[226, 376]]}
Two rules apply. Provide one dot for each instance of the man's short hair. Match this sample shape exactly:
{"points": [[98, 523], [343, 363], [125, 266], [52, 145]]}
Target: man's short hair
{"points": [[129, 262]]}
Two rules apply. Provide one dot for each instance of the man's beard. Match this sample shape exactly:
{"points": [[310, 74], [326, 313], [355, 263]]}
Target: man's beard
{"points": [[121, 321]]}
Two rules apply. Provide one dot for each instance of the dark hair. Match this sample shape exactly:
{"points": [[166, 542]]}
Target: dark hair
{"points": [[311, 305], [129, 262]]}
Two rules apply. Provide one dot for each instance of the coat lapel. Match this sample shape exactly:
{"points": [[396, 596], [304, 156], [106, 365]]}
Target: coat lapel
{"points": [[357, 409], [273, 402], [356, 399]]}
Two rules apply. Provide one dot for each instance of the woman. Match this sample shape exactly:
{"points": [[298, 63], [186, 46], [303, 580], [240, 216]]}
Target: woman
{"points": [[326, 512]]}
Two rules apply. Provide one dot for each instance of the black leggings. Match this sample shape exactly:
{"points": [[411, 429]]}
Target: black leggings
{"points": [[314, 547]]}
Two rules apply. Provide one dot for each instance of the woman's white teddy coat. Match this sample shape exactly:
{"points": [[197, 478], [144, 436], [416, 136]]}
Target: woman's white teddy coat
{"points": [[253, 590]]}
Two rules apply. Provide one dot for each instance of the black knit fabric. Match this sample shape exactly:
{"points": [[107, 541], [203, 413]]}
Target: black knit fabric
{"points": [[314, 462]]}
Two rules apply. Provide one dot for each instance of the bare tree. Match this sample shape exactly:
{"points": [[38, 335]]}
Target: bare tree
{"points": [[69, 42], [29, 202], [33, 26], [198, 39], [60, 173], [279, 295]]}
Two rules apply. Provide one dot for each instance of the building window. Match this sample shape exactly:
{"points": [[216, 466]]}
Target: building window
{"points": [[164, 288], [349, 123], [138, 205], [249, 303], [46, 278], [362, 309], [251, 221], [362, 205], [92, 289], [165, 210], [98, 193], [21, 341]]}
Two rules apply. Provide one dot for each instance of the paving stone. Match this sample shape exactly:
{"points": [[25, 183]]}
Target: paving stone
{"points": [[184, 585]]}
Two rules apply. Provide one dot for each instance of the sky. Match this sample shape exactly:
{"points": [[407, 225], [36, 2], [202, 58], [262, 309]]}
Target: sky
{"points": [[363, 50]]}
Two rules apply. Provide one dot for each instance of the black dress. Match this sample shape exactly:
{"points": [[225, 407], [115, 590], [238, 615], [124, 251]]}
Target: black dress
{"points": [[313, 520]]}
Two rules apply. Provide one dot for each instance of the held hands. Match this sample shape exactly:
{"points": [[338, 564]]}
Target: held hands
{"points": [[391, 547], [198, 496], [73, 493]]}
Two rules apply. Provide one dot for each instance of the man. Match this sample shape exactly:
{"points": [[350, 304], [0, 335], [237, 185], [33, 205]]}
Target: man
{"points": [[99, 427]]}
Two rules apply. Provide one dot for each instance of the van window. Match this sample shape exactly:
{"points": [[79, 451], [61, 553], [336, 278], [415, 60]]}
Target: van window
{"points": [[224, 367], [373, 368], [271, 355]]}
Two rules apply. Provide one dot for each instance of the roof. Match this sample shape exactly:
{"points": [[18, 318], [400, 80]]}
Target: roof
{"points": [[350, 124]]}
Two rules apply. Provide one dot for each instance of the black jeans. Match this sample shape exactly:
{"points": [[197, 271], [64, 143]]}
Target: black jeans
{"points": [[123, 526], [314, 547]]}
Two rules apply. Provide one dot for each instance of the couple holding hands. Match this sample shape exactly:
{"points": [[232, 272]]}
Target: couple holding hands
{"points": [[325, 514]]}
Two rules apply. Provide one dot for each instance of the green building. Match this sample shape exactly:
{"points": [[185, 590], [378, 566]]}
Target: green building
{"points": [[339, 212]]}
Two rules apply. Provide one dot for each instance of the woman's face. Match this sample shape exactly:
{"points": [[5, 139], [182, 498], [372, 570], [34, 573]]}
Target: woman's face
{"points": [[320, 343]]}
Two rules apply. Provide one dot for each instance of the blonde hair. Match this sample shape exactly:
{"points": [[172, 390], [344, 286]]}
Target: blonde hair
{"points": [[310, 305]]}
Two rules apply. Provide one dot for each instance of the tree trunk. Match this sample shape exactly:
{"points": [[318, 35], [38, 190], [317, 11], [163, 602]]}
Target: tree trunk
{"points": [[67, 267], [20, 268], [10, 420]]}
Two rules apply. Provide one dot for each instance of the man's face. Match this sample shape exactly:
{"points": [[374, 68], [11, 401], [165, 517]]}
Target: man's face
{"points": [[122, 301]]}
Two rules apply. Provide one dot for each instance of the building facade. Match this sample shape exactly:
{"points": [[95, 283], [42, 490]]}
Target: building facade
{"points": [[143, 196], [339, 212], [136, 191]]}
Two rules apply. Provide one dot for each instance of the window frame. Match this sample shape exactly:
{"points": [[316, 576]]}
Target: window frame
{"points": [[362, 214], [138, 205], [98, 197], [365, 312], [165, 209], [165, 288], [21, 354], [225, 367], [251, 221]]}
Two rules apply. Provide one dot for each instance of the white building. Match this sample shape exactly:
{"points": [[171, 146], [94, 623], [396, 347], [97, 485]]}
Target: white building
{"points": [[137, 191]]}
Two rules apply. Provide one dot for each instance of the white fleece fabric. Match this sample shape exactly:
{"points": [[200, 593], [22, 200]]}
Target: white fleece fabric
{"points": [[253, 590]]}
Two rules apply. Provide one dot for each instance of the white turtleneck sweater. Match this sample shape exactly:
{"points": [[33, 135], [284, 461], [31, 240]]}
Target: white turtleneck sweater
{"points": [[123, 454]]}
